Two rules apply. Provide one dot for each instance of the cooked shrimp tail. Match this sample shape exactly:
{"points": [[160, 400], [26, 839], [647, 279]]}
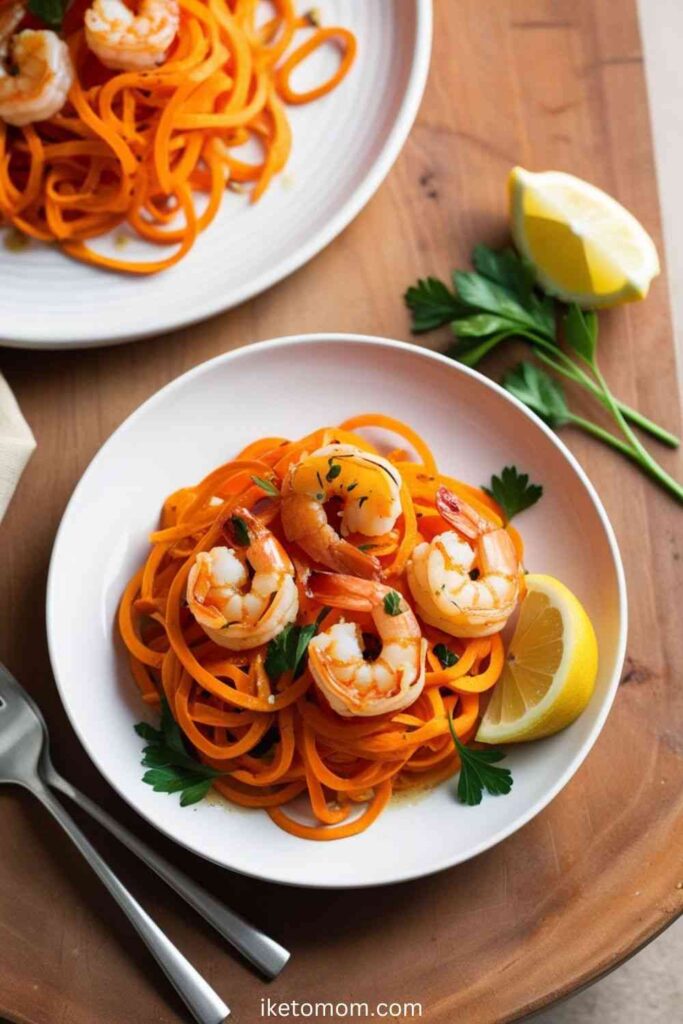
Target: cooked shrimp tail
{"points": [[459, 514]]}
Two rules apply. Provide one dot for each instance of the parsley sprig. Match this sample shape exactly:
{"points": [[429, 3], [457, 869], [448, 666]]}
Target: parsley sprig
{"points": [[500, 300], [171, 768], [479, 772], [513, 492]]}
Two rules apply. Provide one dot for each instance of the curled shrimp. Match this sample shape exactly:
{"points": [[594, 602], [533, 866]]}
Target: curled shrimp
{"points": [[232, 610], [451, 591], [36, 72], [369, 488], [128, 41], [352, 685]]}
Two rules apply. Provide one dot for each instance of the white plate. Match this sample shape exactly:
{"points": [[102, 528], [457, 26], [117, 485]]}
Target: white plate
{"points": [[344, 145], [288, 387]]}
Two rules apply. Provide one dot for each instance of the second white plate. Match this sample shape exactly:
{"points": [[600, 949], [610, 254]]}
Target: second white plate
{"points": [[343, 146]]}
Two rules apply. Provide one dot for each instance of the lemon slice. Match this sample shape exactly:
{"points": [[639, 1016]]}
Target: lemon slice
{"points": [[584, 246], [550, 667]]}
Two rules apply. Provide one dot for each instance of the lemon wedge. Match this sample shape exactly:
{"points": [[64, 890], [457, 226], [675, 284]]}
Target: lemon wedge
{"points": [[550, 667], [584, 246]]}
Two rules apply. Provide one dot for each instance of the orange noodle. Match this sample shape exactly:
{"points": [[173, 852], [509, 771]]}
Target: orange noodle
{"points": [[137, 148], [274, 742]]}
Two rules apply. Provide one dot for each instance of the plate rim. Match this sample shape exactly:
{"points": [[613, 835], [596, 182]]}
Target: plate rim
{"points": [[265, 346], [396, 138]]}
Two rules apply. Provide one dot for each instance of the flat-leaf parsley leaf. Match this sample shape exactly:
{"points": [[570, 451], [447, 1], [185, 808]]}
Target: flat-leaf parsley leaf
{"points": [[513, 492], [171, 768], [478, 772]]}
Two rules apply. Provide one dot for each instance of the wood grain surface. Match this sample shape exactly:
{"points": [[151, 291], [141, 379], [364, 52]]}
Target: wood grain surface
{"points": [[544, 83]]}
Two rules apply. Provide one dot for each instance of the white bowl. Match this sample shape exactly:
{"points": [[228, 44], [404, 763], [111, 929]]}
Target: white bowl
{"points": [[288, 387]]}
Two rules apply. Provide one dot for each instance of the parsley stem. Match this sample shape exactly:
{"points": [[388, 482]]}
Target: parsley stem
{"points": [[604, 435], [644, 457], [549, 354]]}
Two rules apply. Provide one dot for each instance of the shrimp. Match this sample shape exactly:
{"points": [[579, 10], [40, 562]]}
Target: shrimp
{"points": [[352, 685], [369, 488], [232, 612], [36, 72], [452, 593], [125, 41]]}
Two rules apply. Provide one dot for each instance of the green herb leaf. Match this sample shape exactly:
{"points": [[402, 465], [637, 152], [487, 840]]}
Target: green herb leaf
{"points": [[479, 293], [171, 768], [447, 657], [392, 603], [478, 772], [481, 324], [266, 486], [286, 652], [193, 794], [513, 492], [581, 331], [540, 392], [505, 267], [241, 531], [333, 472], [49, 11], [432, 304], [148, 732], [472, 351]]}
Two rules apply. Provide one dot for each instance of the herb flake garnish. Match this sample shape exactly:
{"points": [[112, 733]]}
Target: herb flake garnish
{"points": [[447, 657], [392, 603], [513, 492], [478, 772], [333, 472], [171, 768], [266, 486], [49, 11], [241, 531]]}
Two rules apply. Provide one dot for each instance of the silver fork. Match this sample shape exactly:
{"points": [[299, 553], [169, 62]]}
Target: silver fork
{"points": [[265, 953], [23, 738]]}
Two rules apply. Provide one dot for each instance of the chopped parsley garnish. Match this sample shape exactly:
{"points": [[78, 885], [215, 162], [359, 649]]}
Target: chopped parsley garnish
{"points": [[266, 486], [241, 531], [392, 603], [447, 657], [333, 472]]}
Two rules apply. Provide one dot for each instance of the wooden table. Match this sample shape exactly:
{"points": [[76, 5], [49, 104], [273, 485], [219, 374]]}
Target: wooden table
{"points": [[545, 84]]}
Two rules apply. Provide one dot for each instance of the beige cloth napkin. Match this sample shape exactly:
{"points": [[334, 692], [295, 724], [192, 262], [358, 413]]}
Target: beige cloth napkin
{"points": [[16, 445]]}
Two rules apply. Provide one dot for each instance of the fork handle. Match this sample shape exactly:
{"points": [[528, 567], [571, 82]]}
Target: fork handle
{"points": [[269, 956], [205, 1004]]}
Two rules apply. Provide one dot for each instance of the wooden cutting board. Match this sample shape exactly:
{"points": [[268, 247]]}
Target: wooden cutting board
{"points": [[544, 83]]}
